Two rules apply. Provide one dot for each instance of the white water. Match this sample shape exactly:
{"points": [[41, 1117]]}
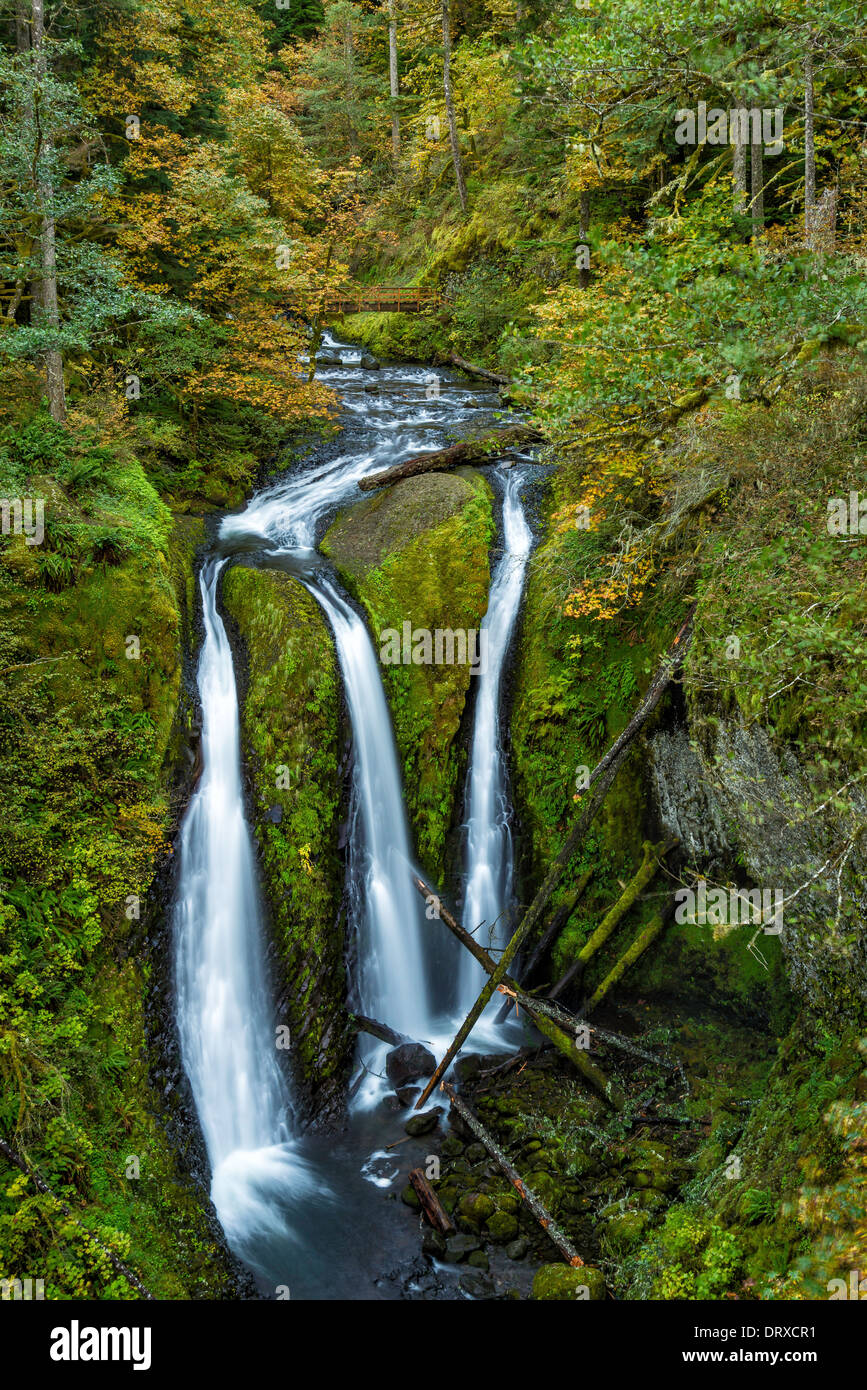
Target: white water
{"points": [[488, 855], [228, 1041], [225, 1022]]}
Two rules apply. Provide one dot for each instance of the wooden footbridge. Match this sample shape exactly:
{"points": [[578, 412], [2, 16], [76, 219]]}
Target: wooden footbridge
{"points": [[372, 299]]}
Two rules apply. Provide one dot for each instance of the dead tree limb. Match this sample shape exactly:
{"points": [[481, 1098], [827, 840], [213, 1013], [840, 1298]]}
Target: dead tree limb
{"points": [[653, 856], [482, 450], [378, 1030], [430, 1203], [42, 1186], [551, 1021], [548, 1224], [472, 370], [603, 775], [556, 924], [630, 956]]}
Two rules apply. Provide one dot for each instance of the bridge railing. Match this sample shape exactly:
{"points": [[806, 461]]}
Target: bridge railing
{"points": [[351, 299]]}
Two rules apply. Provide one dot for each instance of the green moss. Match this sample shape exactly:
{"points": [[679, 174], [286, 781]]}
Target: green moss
{"points": [[409, 337], [417, 553], [290, 724], [559, 1282]]}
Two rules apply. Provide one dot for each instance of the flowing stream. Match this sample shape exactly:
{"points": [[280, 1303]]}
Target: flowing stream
{"points": [[306, 1211]]}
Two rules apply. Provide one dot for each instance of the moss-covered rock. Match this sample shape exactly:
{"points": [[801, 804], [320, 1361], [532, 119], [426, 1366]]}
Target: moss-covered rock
{"points": [[560, 1282], [417, 554], [290, 723]]}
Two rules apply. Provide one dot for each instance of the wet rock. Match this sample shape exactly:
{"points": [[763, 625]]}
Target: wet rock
{"points": [[407, 1062], [478, 1259], [467, 1067], [369, 362], [474, 1209], [409, 1198], [408, 1095], [459, 1247], [560, 1282], [517, 1249], [423, 1123], [476, 1285], [371, 387], [476, 1153], [275, 814], [433, 1244], [502, 1227], [453, 1148]]}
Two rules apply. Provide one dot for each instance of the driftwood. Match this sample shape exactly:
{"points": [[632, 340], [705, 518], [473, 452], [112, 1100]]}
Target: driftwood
{"points": [[482, 450], [603, 775], [378, 1030], [551, 932], [653, 856], [548, 1224], [430, 1203], [548, 1020], [472, 370], [42, 1186]]}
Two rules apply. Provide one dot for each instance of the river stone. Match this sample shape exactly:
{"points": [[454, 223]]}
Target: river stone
{"points": [[476, 1285], [369, 362], [458, 1247], [474, 1209], [407, 1062], [517, 1249], [561, 1282], [433, 1244], [408, 1095], [478, 1259], [410, 1197], [502, 1227], [423, 1123]]}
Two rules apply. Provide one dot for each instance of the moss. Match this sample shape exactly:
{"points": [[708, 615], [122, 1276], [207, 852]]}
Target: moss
{"points": [[290, 723], [417, 553], [408, 337], [559, 1282]]}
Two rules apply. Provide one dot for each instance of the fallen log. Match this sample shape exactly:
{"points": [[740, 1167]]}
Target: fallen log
{"points": [[482, 450], [630, 956], [653, 856], [546, 1018], [548, 1224], [472, 370], [378, 1030], [551, 932], [603, 775], [430, 1203]]}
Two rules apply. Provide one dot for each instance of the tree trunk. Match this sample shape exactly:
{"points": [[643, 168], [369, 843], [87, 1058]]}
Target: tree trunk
{"points": [[482, 450], [49, 312], [757, 170], [809, 149], [584, 234], [739, 166], [393, 84], [450, 108]]}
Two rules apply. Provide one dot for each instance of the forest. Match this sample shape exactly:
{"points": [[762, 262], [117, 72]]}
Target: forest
{"points": [[433, 697]]}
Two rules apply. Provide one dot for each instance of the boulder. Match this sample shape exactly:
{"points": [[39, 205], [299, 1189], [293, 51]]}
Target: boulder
{"points": [[408, 1062], [562, 1282], [423, 1123]]}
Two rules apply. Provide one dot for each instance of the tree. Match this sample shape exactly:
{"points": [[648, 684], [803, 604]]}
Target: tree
{"points": [[393, 85], [450, 108]]}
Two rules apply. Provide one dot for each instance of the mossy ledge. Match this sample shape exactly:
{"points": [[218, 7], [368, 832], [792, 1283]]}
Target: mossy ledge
{"points": [[417, 552], [290, 719]]}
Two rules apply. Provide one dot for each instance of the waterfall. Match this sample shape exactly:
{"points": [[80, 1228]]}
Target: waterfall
{"points": [[228, 1041], [488, 840]]}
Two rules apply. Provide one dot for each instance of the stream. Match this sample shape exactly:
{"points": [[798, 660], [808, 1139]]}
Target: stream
{"points": [[315, 1215]]}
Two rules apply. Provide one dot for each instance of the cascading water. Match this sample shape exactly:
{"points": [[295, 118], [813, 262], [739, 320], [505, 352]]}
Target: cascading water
{"points": [[227, 1039], [275, 1193], [488, 839]]}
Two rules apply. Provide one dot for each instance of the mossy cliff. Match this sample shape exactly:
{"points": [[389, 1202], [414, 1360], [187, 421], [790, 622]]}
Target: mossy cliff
{"points": [[417, 553], [93, 623], [291, 724]]}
